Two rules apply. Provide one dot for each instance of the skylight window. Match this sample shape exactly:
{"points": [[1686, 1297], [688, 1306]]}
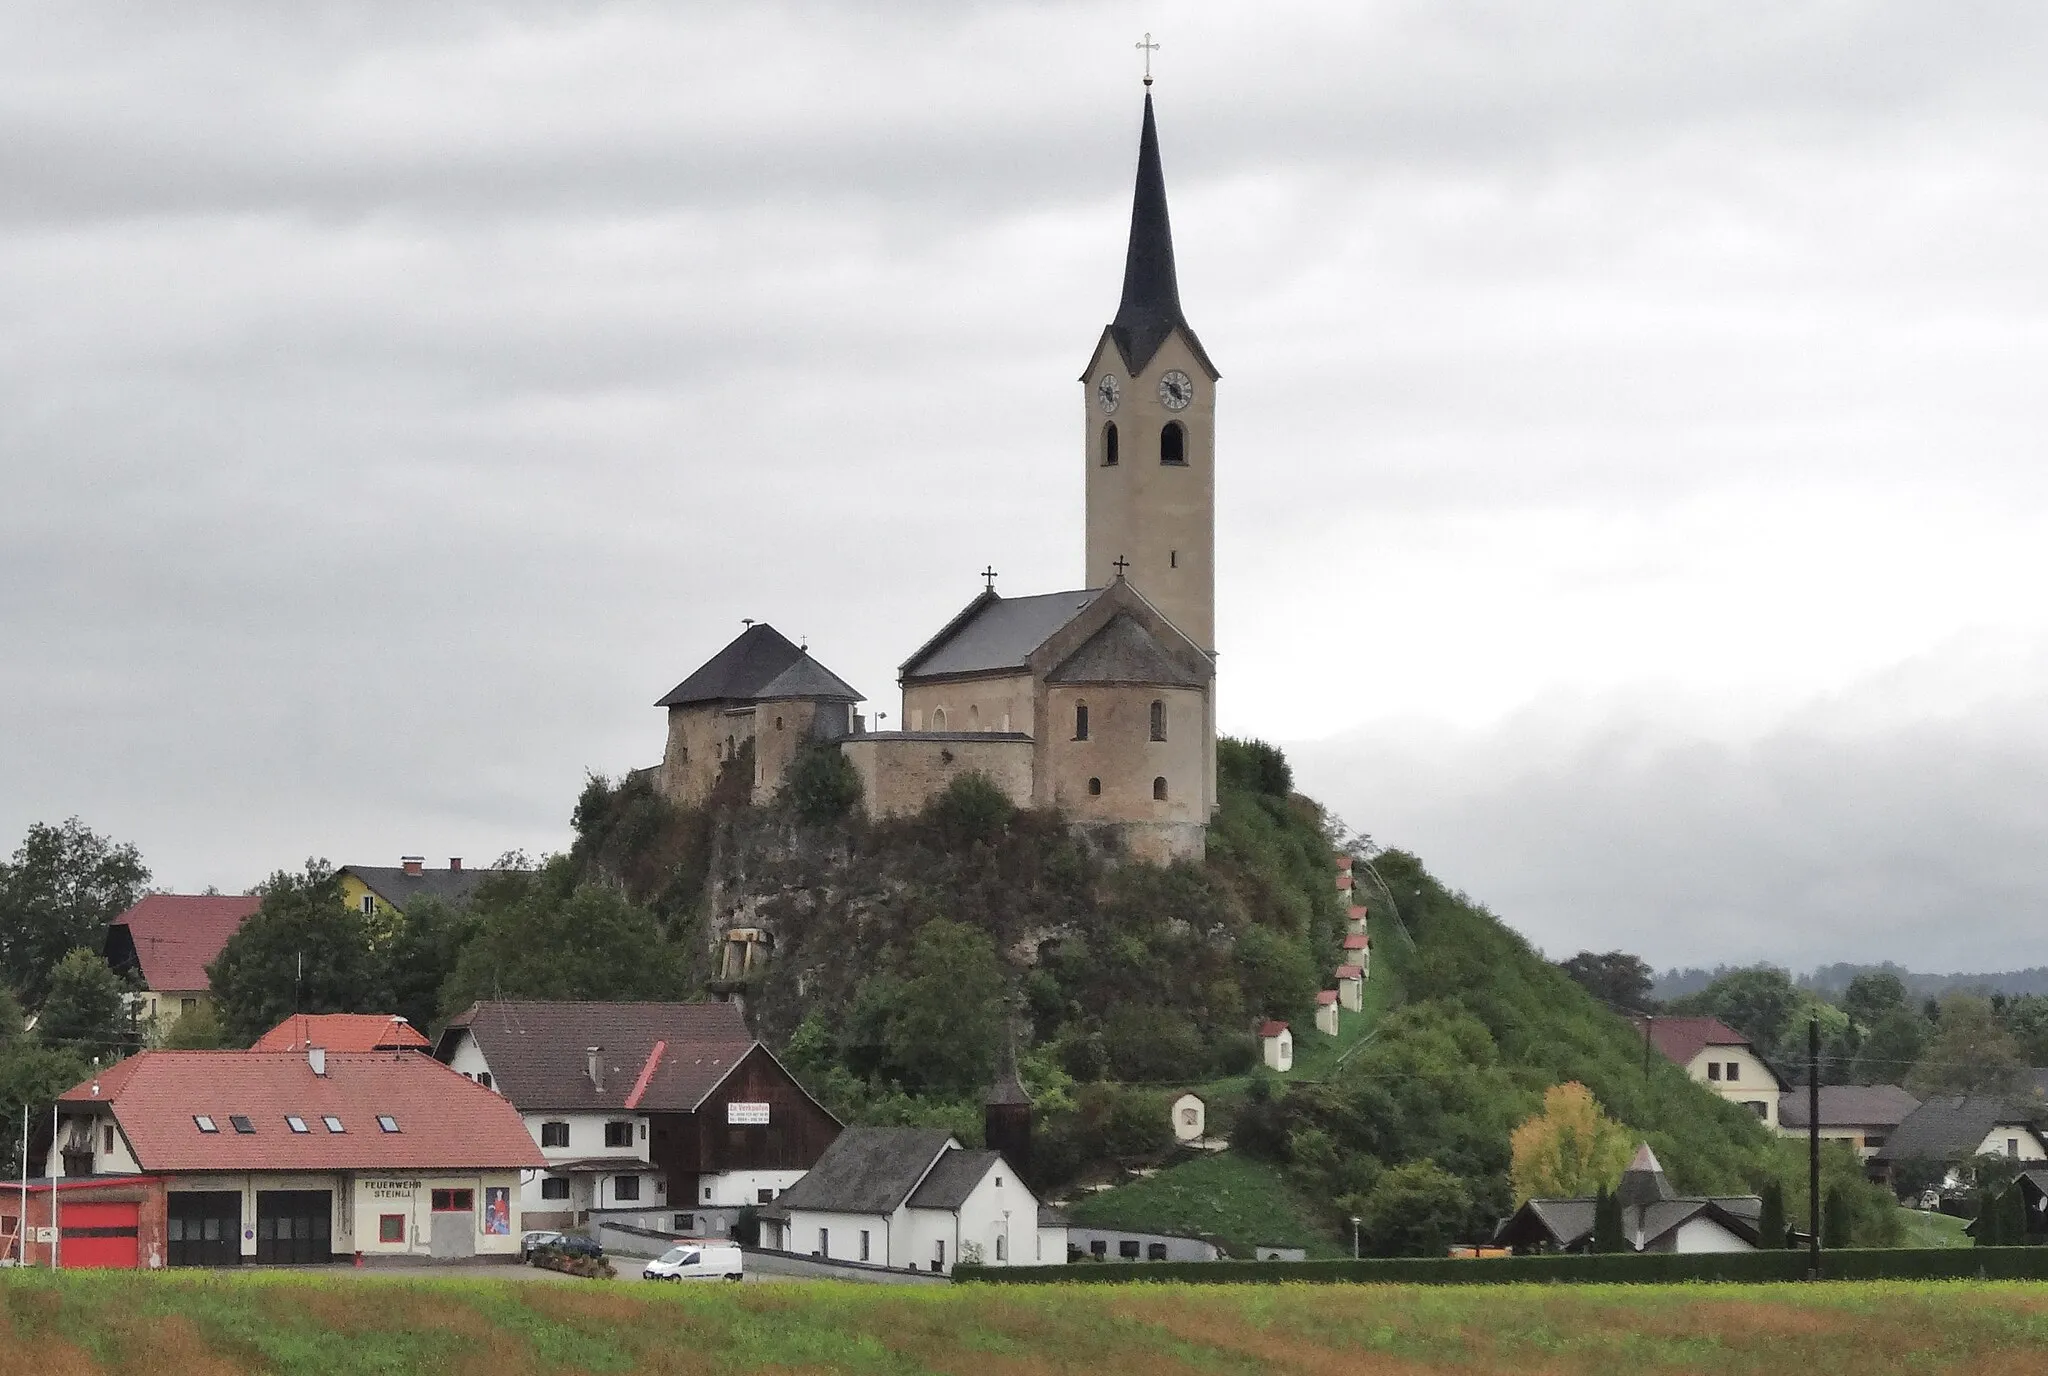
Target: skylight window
{"points": [[240, 1122], [204, 1123], [387, 1122], [332, 1123], [295, 1123]]}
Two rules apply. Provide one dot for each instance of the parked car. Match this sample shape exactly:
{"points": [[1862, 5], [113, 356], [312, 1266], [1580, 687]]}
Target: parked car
{"points": [[698, 1261], [529, 1243], [575, 1245]]}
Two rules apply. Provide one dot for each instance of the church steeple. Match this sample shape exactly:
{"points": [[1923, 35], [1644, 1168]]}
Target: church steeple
{"points": [[1150, 308]]}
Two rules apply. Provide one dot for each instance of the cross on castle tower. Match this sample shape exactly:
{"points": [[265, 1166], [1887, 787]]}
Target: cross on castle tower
{"points": [[1148, 47]]}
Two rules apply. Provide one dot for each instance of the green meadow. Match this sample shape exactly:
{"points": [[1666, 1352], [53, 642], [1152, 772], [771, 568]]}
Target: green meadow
{"points": [[192, 1324]]}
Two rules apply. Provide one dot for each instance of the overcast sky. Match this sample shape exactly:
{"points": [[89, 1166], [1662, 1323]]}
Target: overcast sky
{"points": [[1630, 437]]}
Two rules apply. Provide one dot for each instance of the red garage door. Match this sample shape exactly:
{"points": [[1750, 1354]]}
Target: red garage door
{"points": [[99, 1235]]}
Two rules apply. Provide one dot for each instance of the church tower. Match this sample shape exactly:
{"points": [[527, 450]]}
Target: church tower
{"points": [[1150, 398]]}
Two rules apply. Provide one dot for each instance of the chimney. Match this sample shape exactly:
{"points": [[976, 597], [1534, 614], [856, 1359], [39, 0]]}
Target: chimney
{"points": [[455, 864], [596, 1068], [413, 864], [316, 1056]]}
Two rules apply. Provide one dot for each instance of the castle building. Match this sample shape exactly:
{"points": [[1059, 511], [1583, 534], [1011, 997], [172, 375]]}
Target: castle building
{"points": [[1099, 701]]}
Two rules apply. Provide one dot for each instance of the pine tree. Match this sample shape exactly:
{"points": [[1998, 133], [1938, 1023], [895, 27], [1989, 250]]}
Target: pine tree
{"points": [[1837, 1219], [1607, 1225], [1771, 1222]]}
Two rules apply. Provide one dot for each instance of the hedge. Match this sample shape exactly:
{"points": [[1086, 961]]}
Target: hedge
{"points": [[1648, 1268]]}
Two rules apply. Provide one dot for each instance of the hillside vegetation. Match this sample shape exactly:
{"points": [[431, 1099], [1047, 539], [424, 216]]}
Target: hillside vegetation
{"points": [[87, 1323]]}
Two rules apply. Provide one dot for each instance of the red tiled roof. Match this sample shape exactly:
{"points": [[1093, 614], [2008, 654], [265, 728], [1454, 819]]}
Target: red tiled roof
{"points": [[1350, 972], [1681, 1039], [1327, 996], [1358, 910], [177, 935], [1344, 880], [1356, 943], [444, 1119], [343, 1032], [1344, 862], [1272, 1028]]}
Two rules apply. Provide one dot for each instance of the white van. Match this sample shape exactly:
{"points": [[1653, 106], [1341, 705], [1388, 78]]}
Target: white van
{"points": [[698, 1261]]}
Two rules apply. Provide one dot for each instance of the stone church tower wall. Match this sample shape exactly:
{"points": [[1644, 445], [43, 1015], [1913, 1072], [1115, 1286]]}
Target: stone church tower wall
{"points": [[701, 737]]}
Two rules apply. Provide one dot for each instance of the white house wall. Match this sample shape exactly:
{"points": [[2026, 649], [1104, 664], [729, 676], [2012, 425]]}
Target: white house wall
{"points": [[2029, 1145], [1753, 1083], [886, 1241], [739, 1189], [1705, 1235]]}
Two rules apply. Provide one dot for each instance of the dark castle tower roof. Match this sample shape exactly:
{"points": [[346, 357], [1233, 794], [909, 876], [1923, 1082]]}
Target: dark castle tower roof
{"points": [[1150, 308]]}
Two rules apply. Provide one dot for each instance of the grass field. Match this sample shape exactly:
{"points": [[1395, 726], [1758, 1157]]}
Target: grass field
{"points": [[1933, 1230], [1242, 1201], [191, 1324]]}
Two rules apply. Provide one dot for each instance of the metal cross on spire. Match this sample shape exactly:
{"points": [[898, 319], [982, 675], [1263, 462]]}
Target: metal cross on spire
{"points": [[1120, 565], [989, 574], [1148, 47]]}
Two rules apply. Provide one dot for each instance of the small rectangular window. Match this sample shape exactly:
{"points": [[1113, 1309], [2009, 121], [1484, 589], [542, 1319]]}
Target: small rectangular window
{"points": [[627, 1188], [554, 1134], [686, 1223], [369, 906], [618, 1134], [330, 1122], [1098, 1248], [760, 1196], [296, 1123], [554, 1187], [1734, 1071], [454, 1201], [109, 1139], [240, 1122], [824, 1242], [863, 1244], [387, 1122], [390, 1227], [2012, 1147], [1713, 1070], [1127, 1250], [1155, 1251]]}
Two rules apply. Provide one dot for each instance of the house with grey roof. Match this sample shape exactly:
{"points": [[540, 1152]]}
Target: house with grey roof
{"points": [[1952, 1130], [913, 1198], [1862, 1117], [1654, 1218]]}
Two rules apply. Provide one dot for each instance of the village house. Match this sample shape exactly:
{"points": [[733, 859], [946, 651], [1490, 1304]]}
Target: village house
{"points": [[1955, 1129], [1350, 988], [212, 1158], [1117, 1244], [1720, 1058], [343, 1032], [1326, 1013], [385, 890], [165, 942], [1276, 1046], [914, 1197], [1654, 1218], [666, 1116], [1861, 1116]]}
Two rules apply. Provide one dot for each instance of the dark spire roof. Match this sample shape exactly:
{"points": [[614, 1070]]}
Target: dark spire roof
{"points": [[761, 662], [1150, 309]]}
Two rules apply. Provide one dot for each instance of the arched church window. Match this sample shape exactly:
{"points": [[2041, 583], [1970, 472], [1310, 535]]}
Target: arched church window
{"points": [[1158, 721], [1173, 443], [1159, 789], [1109, 444], [1095, 788], [1080, 721], [973, 717], [938, 718]]}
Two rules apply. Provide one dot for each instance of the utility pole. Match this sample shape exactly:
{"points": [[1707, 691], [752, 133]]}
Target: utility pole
{"points": [[56, 1235], [1813, 1149]]}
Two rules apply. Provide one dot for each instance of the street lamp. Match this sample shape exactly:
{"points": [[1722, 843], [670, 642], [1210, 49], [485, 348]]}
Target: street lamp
{"points": [[1354, 1237]]}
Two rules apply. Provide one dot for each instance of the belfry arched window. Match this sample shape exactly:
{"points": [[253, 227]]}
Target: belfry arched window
{"points": [[1159, 789], [1109, 444], [1094, 788], [1173, 443], [1158, 721], [1080, 721]]}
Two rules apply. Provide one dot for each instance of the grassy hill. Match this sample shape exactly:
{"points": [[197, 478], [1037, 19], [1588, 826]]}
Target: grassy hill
{"points": [[186, 1324], [1228, 1196]]}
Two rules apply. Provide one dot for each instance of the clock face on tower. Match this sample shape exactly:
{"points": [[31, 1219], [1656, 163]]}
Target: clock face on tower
{"points": [[1108, 392], [1176, 390]]}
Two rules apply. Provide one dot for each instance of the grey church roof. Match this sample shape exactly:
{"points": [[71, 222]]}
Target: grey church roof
{"points": [[996, 633], [761, 662], [1124, 652], [1150, 308], [953, 1179], [867, 1171]]}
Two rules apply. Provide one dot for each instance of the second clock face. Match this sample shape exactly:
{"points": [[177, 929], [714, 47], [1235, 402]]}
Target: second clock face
{"points": [[1176, 390], [1108, 392]]}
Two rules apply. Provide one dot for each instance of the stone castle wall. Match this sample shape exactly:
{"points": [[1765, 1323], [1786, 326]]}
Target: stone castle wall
{"points": [[900, 770]]}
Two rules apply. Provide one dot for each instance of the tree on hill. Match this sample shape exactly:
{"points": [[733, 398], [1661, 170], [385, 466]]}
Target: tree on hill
{"points": [[543, 935], [1759, 1003], [944, 1022], [1417, 1209], [302, 951], [1971, 1053], [1616, 978], [1872, 995], [1771, 1223], [1891, 1047], [58, 892], [85, 1010], [425, 946], [822, 785], [1569, 1150], [1837, 1219], [31, 1078]]}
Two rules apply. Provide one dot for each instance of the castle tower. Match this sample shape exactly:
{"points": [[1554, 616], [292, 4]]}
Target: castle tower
{"points": [[1150, 399]]}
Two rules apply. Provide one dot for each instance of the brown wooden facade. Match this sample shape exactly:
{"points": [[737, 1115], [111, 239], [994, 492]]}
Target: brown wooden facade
{"points": [[798, 1130]]}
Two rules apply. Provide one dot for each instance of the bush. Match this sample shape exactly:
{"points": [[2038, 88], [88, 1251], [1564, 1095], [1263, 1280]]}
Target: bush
{"points": [[822, 785], [1253, 766]]}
